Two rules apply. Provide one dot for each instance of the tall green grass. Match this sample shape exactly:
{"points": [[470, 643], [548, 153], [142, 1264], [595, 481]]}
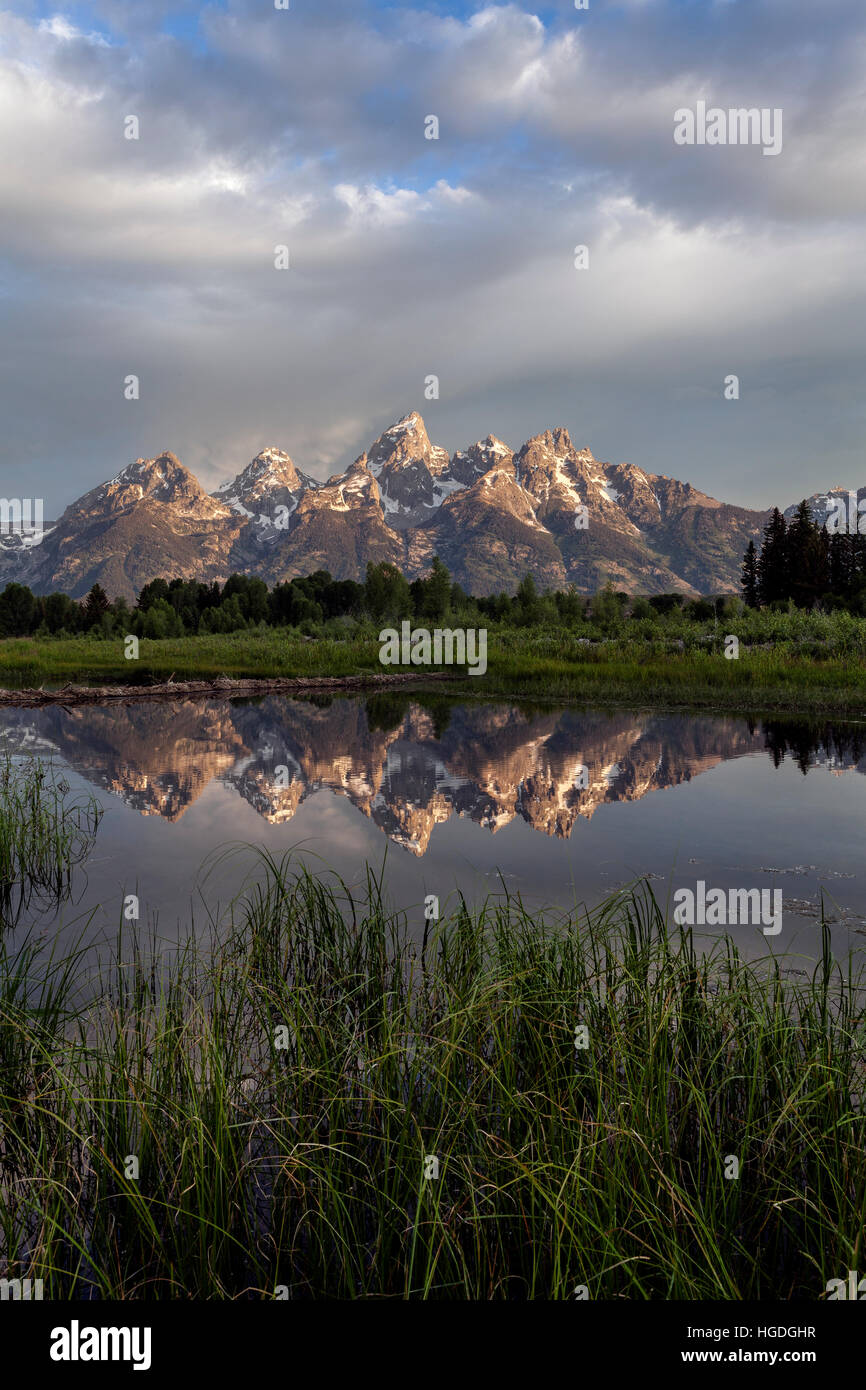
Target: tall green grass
{"points": [[257, 654], [283, 1084], [43, 835]]}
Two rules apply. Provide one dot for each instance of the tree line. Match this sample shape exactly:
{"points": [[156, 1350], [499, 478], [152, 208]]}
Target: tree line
{"points": [[803, 563], [189, 607]]}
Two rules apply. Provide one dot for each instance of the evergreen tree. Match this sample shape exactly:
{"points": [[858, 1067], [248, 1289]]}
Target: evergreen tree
{"points": [[773, 582], [807, 550], [93, 607], [750, 576], [841, 563]]}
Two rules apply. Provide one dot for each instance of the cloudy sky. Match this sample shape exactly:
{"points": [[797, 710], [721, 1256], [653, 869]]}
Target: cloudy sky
{"points": [[412, 257]]}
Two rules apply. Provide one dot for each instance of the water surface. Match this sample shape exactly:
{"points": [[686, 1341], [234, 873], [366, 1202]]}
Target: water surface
{"points": [[560, 805]]}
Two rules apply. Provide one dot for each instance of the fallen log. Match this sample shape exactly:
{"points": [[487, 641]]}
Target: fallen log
{"points": [[224, 687]]}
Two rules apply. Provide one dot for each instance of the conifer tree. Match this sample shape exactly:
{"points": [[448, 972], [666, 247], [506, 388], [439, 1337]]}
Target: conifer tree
{"points": [[841, 563], [93, 607], [773, 561], [807, 548], [749, 580]]}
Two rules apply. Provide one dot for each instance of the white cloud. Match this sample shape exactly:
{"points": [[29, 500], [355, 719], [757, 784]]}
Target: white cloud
{"points": [[378, 206], [59, 27]]}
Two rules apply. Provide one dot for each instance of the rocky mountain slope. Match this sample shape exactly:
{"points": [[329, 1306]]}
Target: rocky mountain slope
{"points": [[493, 514]]}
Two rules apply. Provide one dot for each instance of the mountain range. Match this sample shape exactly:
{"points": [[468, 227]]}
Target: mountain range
{"points": [[492, 514]]}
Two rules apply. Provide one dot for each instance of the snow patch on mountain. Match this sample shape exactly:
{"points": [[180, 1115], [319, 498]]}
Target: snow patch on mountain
{"points": [[563, 480], [608, 492], [443, 488]]}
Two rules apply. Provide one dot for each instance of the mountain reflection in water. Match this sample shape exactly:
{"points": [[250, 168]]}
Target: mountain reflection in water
{"points": [[408, 764]]}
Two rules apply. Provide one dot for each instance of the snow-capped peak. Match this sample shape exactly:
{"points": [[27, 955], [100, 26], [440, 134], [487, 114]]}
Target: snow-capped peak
{"points": [[409, 422], [268, 479]]}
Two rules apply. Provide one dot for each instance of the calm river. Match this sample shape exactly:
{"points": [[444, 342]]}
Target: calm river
{"points": [[562, 806]]}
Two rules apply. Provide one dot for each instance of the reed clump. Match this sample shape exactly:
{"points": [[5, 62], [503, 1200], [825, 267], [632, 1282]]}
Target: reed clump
{"points": [[318, 1102], [44, 835]]}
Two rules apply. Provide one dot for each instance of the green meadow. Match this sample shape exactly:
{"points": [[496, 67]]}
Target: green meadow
{"points": [[786, 661]]}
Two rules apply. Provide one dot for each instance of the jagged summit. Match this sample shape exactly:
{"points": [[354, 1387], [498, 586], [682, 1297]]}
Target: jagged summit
{"points": [[412, 474], [410, 423], [162, 479], [271, 463], [270, 479], [163, 469]]}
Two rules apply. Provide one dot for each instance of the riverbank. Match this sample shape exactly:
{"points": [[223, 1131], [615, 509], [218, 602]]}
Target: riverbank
{"points": [[530, 663]]}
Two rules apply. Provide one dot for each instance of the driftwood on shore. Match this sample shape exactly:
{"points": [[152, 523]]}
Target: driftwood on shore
{"points": [[223, 687]]}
